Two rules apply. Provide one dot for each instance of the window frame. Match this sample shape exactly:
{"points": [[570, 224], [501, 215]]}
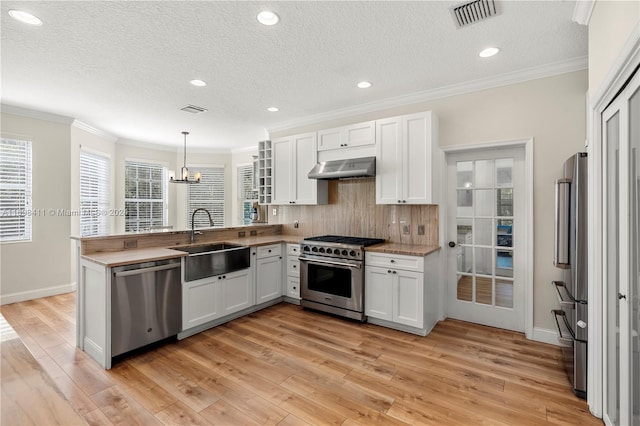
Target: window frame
{"points": [[99, 206], [25, 211], [163, 199]]}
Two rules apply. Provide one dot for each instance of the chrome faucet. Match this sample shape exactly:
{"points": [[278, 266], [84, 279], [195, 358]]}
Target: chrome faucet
{"points": [[193, 216]]}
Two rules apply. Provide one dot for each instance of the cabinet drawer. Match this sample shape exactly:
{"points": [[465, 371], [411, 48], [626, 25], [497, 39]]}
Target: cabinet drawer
{"points": [[293, 287], [396, 261], [293, 249], [293, 266], [270, 250]]}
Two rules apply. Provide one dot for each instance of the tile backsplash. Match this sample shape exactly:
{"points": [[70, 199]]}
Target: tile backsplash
{"points": [[352, 210]]}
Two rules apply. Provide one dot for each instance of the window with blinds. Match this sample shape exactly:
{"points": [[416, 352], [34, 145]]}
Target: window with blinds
{"points": [[145, 196], [208, 194], [16, 209], [94, 194], [246, 194]]}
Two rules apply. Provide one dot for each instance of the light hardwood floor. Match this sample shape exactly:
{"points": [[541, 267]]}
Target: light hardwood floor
{"points": [[288, 366]]}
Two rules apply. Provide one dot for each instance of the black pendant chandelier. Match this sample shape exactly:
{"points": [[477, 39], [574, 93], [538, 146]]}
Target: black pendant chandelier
{"points": [[184, 171]]}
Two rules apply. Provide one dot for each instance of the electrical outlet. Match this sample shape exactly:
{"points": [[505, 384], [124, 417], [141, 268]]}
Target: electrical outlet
{"points": [[241, 233], [405, 229], [253, 232], [275, 212], [129, 244], [420, 229], [296, 224]]}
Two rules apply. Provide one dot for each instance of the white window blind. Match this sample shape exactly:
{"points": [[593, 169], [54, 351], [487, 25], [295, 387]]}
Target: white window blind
{"points": [[94, 194], [16, 208], [246, 194], [145, 196], [208, 194]]}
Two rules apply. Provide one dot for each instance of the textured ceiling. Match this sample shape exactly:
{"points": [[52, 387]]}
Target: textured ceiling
{"points": [[124, 67]]}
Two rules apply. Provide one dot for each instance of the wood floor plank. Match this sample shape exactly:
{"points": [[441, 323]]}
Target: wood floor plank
{"points": [[286, 365]]}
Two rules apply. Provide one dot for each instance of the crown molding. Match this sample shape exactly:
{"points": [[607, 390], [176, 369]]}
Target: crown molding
{"points": [[147, 145], [31, 113], [548, 70], [582, 11], [245, 149], [90, 129]]}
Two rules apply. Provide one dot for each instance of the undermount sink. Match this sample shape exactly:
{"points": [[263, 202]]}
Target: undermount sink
{"points": [[208, 260]]}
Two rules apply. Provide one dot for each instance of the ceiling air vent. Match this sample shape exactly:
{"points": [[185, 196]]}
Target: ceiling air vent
{"points": [[193, 109], [471, 12]]}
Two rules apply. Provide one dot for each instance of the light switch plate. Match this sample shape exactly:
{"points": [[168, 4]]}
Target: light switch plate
{"points": [[420, 229], [275, 212]]}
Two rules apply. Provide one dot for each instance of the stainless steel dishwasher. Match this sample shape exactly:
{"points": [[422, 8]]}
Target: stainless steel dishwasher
{"points": [[146, 304]]}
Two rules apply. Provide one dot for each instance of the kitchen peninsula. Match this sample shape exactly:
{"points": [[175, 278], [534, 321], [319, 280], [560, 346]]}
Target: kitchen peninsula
{"points": [[203, 303]]}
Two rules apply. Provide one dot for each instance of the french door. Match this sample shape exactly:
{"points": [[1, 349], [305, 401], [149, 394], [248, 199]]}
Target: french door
{"points": [[485, 228], [621, 219]]}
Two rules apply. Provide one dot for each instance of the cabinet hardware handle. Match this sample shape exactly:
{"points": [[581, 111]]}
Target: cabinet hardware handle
{"points": [[394, 272], [621, 296], [294, 288], [393, 261], [452, 244], [388, 271]]}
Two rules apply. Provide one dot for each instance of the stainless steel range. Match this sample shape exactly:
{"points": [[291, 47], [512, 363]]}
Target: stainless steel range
{"points": [[332, 274]]}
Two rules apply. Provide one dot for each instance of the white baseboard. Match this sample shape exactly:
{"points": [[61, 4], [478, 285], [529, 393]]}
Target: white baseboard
{"points": [[22, 296], [545, 335]]}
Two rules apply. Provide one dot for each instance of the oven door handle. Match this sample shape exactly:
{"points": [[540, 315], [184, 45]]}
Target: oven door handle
{"points": [[329, 262]]}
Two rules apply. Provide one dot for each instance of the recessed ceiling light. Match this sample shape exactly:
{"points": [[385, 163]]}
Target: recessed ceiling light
{"points": [[199, 83], [267, 17], [273, 109], [490, 51], [25, 17], [364, 84]]}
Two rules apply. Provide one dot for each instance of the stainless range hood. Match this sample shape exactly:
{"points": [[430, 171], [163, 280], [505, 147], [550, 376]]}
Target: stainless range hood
{"points": [[344, 169]]}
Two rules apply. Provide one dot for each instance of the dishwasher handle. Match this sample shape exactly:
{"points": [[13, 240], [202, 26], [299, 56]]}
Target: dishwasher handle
{"points": [[145, 270]]}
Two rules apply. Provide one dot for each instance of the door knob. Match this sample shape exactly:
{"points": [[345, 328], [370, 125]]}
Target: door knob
{"points": [[452, 244]]}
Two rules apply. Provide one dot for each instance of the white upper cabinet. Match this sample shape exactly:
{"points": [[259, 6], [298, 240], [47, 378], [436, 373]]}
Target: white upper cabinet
{"points": [[293, 158], [352, 141], [347, 136], [406, 159]]}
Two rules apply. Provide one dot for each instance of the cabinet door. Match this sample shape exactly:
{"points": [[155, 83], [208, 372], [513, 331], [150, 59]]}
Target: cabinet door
{"points": [[389, 161], [330, 139], [200, 303], [269, 279], [378, 293], [293, 287], [282, 167], [237, 291], [360, 134], [416, 159], [408, 299], [305, 154]]}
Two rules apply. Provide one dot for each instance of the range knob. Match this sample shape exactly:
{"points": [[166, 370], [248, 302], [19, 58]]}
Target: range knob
{"points": [[352, 253], [329, 251], [314, 249], [344, 252], [321, 250], [306, 248]]}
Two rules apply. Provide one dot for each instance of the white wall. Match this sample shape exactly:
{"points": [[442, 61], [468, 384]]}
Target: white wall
{"points": [[611, 24], [551, 110], [41, 267]]}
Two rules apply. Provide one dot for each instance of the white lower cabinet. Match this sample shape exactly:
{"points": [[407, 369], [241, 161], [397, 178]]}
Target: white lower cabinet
{"points": [[200, 302], [269, 273], [292, 279], [395, 289], [212, 298], [237, 291]]}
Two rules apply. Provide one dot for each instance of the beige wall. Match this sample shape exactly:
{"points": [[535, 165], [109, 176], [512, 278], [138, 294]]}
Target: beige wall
{"points": [[41, 267], [551, 110], [611, 24]]}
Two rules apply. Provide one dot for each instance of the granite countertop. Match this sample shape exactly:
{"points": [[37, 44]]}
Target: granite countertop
{"points": [[407, 249], [126, 257]]}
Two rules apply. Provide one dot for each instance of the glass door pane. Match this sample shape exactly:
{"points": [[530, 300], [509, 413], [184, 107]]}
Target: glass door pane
{"points": [[612, 132], [484, 221], [634, 261]]}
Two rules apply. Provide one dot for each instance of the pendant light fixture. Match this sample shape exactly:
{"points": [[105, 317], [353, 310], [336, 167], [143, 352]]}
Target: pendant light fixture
{"points": [[184, 172]]}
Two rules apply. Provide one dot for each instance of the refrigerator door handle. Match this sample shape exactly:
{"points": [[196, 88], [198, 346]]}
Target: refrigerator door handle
{"points": [[564, 296], [562, 223]]}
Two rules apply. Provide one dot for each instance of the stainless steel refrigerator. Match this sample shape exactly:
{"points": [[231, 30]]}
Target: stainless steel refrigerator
{"points": [[570, 255]]}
